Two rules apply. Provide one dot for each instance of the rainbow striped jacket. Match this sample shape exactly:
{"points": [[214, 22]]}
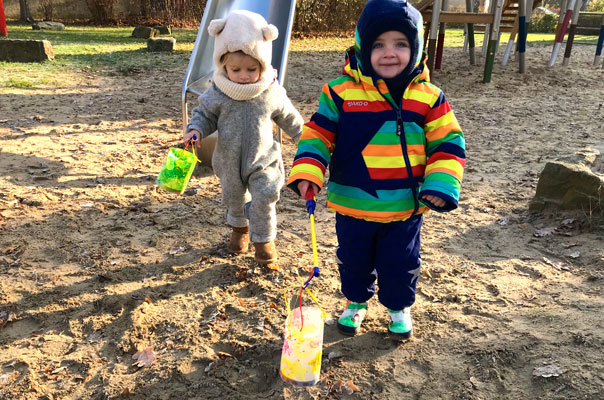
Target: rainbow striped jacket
{"points": [[382, 158]]}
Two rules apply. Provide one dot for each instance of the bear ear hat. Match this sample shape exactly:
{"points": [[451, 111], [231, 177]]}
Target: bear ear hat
{"points": [[216, 26], [270, 32]]}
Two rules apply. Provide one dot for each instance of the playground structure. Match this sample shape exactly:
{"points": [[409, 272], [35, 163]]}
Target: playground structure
{"points": [[201, 65], [510, 16], [3, 30]]}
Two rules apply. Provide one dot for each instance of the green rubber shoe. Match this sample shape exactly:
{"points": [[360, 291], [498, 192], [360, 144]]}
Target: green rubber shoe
{"points": [[351, 319], [400, 324]]}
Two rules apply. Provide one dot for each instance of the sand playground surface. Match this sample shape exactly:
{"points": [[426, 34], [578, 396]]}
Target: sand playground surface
{"points": [[97, 263]]}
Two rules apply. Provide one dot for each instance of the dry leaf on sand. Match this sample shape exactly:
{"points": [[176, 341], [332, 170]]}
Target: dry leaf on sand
{"points": [[144, 357]]}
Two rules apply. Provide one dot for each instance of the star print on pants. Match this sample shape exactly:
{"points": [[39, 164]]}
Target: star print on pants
{"points": [[415, 273]]}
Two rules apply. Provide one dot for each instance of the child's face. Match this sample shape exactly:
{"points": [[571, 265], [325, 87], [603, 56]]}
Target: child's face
{"points": [[390, 54], [242, 68]]}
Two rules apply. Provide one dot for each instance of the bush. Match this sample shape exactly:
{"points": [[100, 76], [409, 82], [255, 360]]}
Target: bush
{"points": [[46, 8], [545, 23], [168, 12], [102, 11], [327, 15], [596, 6]]}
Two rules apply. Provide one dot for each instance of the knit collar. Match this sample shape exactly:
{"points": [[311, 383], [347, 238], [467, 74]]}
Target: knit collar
{"points": [[238, 91]]}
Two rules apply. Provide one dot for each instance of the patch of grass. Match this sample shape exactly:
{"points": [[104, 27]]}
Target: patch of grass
{"points": [[91, 49], [542, 314], [19, 83], [112, 50], [453, 38]]}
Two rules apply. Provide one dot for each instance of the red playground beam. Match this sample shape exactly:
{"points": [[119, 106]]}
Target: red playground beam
{"points": [[3, 30]]}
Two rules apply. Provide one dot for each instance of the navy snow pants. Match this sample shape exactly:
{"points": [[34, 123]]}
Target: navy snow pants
{"points": [[386, 252]]}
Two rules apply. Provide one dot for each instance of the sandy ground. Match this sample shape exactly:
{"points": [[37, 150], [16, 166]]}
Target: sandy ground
{"points": [[97, 262]]}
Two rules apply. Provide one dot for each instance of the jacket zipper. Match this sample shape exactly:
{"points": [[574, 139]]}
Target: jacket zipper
{"points": [[400, 131]]}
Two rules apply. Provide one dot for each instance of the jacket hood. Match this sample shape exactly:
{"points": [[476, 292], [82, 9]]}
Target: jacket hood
{"points": [[380, 16], [352, 68]]}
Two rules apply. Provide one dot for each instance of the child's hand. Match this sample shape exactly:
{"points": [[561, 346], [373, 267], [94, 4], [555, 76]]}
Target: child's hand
{"points": [[435, 200], [303, 187], [192, 134]]}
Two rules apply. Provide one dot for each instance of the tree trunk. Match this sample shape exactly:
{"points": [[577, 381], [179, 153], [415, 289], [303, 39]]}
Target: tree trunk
{"points": [[25, 14]]}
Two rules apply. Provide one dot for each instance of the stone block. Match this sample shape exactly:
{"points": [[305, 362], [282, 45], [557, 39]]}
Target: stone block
{"points": [[161, 44], [163, 29], [25, 50], [48, 25], [569, 186], [145, 32]]}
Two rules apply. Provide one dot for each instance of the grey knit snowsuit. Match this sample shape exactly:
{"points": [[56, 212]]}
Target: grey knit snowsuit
{"points": [[247, 158]]}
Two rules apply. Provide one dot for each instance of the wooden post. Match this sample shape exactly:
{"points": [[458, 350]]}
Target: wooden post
{"points": [[441, 39], [508, 49], [563, 5], [493, 38], [488, 7], [465, 38], [470, 36], [562, 32], [598, 47], [571, 33], [522, 25], [436, 6], [3, 30]]}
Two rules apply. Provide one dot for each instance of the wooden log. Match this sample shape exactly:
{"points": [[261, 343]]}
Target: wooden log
{"points": [[561, 33], [571, 33], [522, 31], [460, 18], [470, 34], [493, 38], [436, 6], [510, 45], [440, 45], [599, 45]]}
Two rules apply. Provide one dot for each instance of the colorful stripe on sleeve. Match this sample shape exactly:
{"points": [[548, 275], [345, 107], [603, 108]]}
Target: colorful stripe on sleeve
{"points": [[445, 147], [316, 143]]}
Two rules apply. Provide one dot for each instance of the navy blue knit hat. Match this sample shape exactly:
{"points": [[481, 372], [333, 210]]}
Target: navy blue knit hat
{"points": [[380, 16]]}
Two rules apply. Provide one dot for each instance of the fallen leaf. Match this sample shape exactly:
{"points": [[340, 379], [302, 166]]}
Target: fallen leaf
{"points": [[241, 302], [144, 357], [273, 267], [504, 221], [557, 265], [7, 379], [344, 387], [544, 232], [352, 387], [6, 317], [273, 305], [222, 355], [207, 369], [58, 370], [547, 371]]}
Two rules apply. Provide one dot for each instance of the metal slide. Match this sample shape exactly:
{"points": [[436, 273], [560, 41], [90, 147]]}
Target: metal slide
{"points": [[201, 66]]}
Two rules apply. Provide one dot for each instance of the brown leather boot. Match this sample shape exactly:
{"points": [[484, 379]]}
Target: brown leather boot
{"points": [[266, 253], [240, 240]]}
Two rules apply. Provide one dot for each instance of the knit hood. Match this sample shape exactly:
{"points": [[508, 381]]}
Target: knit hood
{"points": [[380, 16], [244, 31]]}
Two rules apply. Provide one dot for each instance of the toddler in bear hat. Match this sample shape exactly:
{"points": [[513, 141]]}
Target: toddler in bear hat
{"points": [[394, 151], [241, 105]]}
